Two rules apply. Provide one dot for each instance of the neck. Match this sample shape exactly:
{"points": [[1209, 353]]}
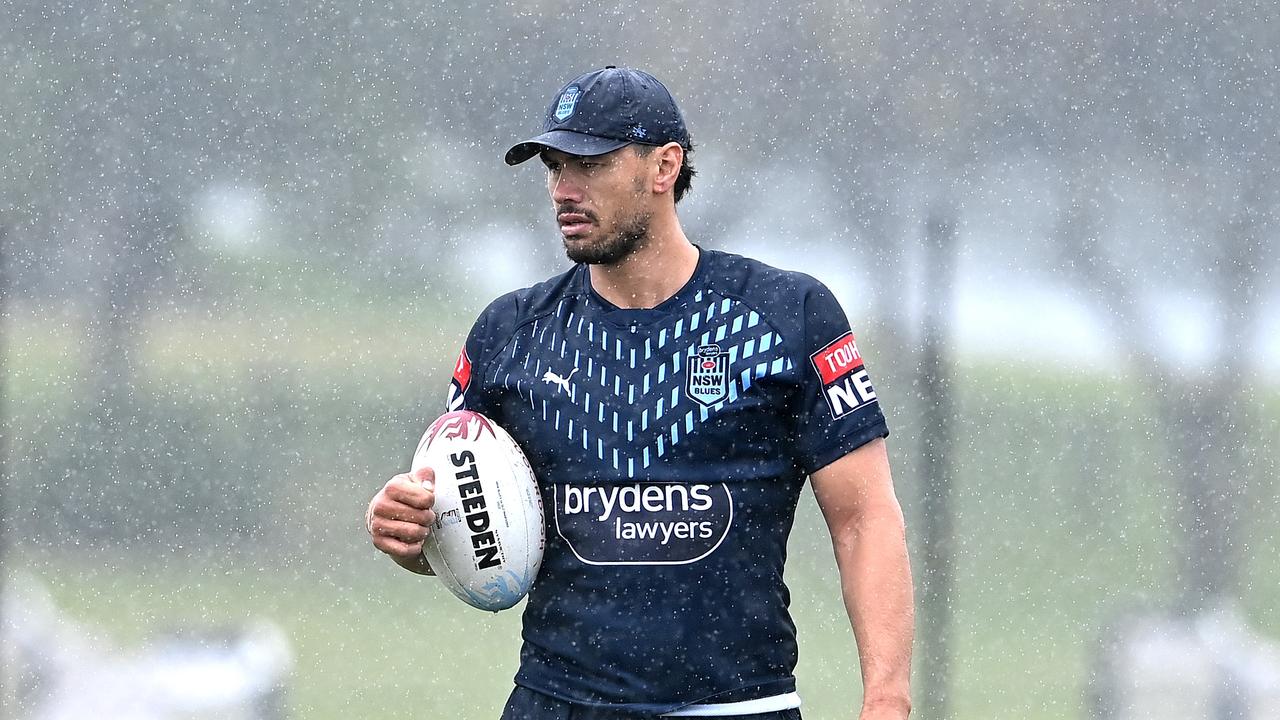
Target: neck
{"points": [[651, 274]]}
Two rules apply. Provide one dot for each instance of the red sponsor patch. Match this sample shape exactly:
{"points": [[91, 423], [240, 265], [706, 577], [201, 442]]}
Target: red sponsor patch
{"points": [[845, 384], [462, 371], [839, 358]]}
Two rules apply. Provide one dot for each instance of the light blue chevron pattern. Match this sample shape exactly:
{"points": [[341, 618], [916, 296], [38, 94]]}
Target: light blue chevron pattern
{"points": [[625, 400]]}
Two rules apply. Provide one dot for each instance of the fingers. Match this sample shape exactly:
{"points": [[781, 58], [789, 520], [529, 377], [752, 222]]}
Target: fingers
{"points": [[401, 538], [399, 517], [397, 548], [389, 509], [407, 533], [415, 490]]}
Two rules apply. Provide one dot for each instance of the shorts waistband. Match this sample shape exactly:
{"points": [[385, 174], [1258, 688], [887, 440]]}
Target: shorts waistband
{"points": [[773, 703]]}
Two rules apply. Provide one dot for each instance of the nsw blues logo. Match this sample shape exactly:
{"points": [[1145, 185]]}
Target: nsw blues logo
{"points": [[568, 103], [707, 376]]}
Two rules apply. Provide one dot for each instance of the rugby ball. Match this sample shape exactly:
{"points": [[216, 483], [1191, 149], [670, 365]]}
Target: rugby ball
{"points": [[487, 540]]}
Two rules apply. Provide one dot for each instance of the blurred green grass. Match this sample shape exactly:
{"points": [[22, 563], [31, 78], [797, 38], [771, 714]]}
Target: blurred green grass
{"points": [[1065, 516]]}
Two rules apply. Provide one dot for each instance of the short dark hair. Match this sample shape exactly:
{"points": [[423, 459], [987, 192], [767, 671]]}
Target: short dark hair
{"points": [[685, 179]]}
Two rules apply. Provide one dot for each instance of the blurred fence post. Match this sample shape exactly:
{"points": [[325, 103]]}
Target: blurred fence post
{"points": [[937, 579], [4, 446]]}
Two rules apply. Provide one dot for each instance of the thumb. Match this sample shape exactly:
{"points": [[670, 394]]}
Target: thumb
{"points": [[425, 476]]}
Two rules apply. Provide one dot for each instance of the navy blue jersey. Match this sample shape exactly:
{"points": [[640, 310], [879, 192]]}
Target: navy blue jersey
{"points": [[670, 445]]}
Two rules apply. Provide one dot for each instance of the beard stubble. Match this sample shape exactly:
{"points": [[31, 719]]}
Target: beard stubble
{"points": [[618, 246]]}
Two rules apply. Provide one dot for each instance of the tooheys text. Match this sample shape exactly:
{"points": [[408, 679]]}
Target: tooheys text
{"points": [[475, 510]]}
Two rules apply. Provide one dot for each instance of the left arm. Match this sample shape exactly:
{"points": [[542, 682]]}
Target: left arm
{"points": [[855, 494]]}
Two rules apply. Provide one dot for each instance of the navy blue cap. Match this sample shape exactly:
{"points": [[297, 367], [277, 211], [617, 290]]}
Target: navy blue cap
{"points": [[604, 110]]}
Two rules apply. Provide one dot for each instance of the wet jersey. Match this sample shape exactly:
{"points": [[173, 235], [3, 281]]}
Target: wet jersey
{"points": [[670, 446]]}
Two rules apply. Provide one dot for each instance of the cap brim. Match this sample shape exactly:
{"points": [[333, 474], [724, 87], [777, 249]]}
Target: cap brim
{"points": [[565, 141]]}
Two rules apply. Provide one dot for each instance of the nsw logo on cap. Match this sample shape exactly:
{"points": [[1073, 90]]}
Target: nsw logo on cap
{"points": [[568, 102]]}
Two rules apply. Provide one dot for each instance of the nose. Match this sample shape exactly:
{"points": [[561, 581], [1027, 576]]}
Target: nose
{"points": [[565, 189]]}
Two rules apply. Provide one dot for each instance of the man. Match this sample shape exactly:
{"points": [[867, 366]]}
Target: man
{"points": [[671, 401]]}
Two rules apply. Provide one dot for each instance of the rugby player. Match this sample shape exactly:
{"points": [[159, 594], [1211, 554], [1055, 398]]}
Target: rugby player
{"points": [[672, 400]]}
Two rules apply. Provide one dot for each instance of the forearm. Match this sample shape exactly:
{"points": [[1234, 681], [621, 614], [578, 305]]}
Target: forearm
{"points": [[875, 579]]}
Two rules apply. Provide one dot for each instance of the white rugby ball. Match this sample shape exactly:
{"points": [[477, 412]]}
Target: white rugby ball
{"points": [[487, 540]]}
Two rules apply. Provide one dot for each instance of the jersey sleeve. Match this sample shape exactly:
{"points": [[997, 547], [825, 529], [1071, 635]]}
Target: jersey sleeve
{"points": [[467, 389], [837, 410]]}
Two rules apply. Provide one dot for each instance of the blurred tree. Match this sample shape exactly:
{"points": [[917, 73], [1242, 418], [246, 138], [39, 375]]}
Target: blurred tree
{"points": [[1174, 93], [929, 95], [5, 426], [933, 95]]}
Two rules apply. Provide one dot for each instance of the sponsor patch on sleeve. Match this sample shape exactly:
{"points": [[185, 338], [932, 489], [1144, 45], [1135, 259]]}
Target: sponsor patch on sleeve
{"points": [[845, 383], [461, 379]]}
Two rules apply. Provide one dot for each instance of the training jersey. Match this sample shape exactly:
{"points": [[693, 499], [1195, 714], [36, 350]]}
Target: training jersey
{"points": [[670, 446]]}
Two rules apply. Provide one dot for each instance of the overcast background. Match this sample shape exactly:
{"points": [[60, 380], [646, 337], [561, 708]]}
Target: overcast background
{"points": [[243, 242]]}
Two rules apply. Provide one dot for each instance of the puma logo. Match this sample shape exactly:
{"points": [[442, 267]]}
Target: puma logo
{"points": [[554, 379]]}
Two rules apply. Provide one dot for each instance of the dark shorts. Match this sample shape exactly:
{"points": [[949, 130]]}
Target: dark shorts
{"points": [[525, 704]]}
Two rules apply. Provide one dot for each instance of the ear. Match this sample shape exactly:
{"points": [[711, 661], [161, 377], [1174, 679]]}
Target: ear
{"points": [[668, 158]]}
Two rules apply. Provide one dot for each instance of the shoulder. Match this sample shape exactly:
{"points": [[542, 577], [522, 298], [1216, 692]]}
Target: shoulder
{"points": [[784, 297], [747, 277], [508, 312]]}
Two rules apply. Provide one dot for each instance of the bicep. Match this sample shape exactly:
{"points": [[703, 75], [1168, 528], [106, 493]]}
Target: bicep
{"points": [[856, 486]]}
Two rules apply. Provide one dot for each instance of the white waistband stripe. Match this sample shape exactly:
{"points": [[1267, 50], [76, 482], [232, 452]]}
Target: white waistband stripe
{"points": [[774, 703]]}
